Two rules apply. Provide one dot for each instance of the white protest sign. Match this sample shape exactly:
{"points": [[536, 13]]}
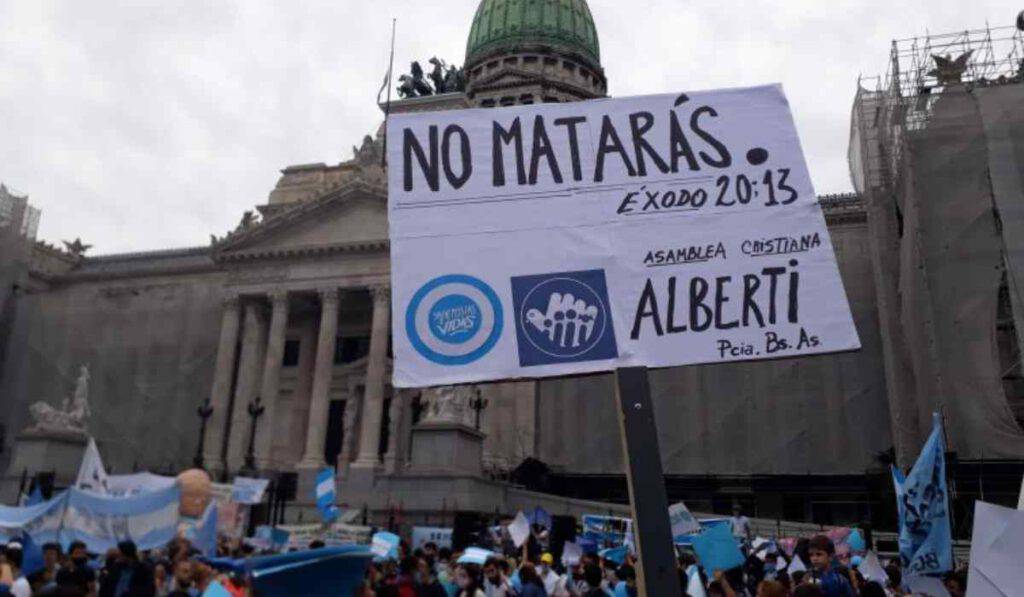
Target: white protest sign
{"points": [[997, 551], [683, 523], [554, 239], [442, 537], [872, 569], [571, 553], [246, 490], [519, 529]]}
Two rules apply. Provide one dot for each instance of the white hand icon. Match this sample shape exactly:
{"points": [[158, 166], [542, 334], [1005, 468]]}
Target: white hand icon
{"points": [[568, 322]]}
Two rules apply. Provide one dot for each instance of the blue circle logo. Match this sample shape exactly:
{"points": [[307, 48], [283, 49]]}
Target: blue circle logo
{"points": [[563, 317], [454, 319]]}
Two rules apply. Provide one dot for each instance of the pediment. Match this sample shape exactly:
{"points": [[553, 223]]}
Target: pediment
{"points": [[350, 218]]}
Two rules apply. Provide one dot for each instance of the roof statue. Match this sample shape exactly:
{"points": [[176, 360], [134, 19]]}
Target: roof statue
{"points": [[76, 247], [368, 153], [446, 79], [414, 84], [949, 71], [73, 412]]}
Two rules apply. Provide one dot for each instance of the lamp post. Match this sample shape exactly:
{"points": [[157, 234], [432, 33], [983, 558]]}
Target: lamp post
{"points": [[204, 411], [478, 404], [255, 409]]}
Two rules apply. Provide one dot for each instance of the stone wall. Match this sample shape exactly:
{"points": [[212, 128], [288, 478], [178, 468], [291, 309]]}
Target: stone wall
{"points": [[150, 343]]}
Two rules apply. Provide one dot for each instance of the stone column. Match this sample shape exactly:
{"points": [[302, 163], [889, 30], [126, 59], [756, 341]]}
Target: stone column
{"points": [[271, 378], [353, 401], [392, 458], [373, 398], [217, 425], [253, 334], [316, 425]]}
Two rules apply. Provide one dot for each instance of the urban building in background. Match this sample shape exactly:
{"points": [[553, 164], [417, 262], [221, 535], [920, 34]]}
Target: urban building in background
{"points": [[278, 331]]}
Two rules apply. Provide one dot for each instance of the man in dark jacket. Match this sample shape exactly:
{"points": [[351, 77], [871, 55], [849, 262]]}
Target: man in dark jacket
{"points": [[128, 576]]}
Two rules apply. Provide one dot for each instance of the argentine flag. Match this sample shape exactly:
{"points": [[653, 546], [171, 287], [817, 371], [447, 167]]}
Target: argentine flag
{"points": [[324, 495]]}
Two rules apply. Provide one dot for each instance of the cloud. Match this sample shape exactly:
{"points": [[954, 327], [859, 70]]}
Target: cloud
{"points": [[149, 125]]}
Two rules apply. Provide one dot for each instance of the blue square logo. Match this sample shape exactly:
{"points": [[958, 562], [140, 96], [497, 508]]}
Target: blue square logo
{"points": [[563, 317]]}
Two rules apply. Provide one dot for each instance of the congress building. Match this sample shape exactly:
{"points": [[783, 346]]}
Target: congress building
{"points": [[268, 349]]}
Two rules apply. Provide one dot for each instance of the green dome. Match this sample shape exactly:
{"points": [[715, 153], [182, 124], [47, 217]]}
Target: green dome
{"points": [[504, 24]]}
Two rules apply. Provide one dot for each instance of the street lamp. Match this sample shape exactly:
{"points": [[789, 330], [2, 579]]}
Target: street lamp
{"points": [[478, 404], [204, 411], [255, 409]]}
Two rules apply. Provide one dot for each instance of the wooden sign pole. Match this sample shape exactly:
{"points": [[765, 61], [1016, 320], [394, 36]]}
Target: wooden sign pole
{"points": [[652, 533]]}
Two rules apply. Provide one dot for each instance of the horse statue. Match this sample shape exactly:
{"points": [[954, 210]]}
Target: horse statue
{"points": [[438, 75], [73, 412]]}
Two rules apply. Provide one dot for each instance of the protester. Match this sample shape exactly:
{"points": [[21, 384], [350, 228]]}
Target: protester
{"points": [[627, 581], [533, 586], [128, 575], [76, 573], [20, 586], [593, 581], [496, 583], [51, 558], [554, 583], [467, 577], [740, 525], [771, 588], [823, 571], [956, 583]]}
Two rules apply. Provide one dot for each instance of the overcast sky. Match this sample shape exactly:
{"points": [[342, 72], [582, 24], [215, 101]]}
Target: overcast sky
{"points": [[148, 125]]}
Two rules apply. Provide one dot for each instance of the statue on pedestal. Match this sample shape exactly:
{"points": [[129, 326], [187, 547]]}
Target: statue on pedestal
{"points": [[73, 412], [450, 404]]}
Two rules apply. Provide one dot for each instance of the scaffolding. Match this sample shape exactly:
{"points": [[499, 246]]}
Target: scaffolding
{"points": [[901, 101], [16, 214]]}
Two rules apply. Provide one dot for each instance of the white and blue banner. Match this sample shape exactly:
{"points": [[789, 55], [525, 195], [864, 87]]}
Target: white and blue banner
{"points": [[384, 545], [149, 519], [323, 493], [136, 483], [246, 490], [42, 521], [925, 540], [554, 239]]}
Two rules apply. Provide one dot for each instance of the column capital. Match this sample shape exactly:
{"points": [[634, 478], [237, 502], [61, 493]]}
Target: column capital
{"points": [[231, 301], [329, 295], [278, 297], [380, 292]]}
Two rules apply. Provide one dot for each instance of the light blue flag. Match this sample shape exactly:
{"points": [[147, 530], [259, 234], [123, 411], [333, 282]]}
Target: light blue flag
{"points": [[43, 521], [717, 549], [206, 532], [36, 497], [540, 516], [922, 500], [384, 546], [149, 519], [31, 555], [323, 492]]}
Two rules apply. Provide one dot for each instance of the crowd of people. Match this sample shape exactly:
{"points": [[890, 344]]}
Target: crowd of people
{"points": [[179, 570], [176, 571], [430, 572]]}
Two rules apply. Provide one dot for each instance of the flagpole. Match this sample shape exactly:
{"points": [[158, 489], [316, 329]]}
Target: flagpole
{"points": [[387, 106]]}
